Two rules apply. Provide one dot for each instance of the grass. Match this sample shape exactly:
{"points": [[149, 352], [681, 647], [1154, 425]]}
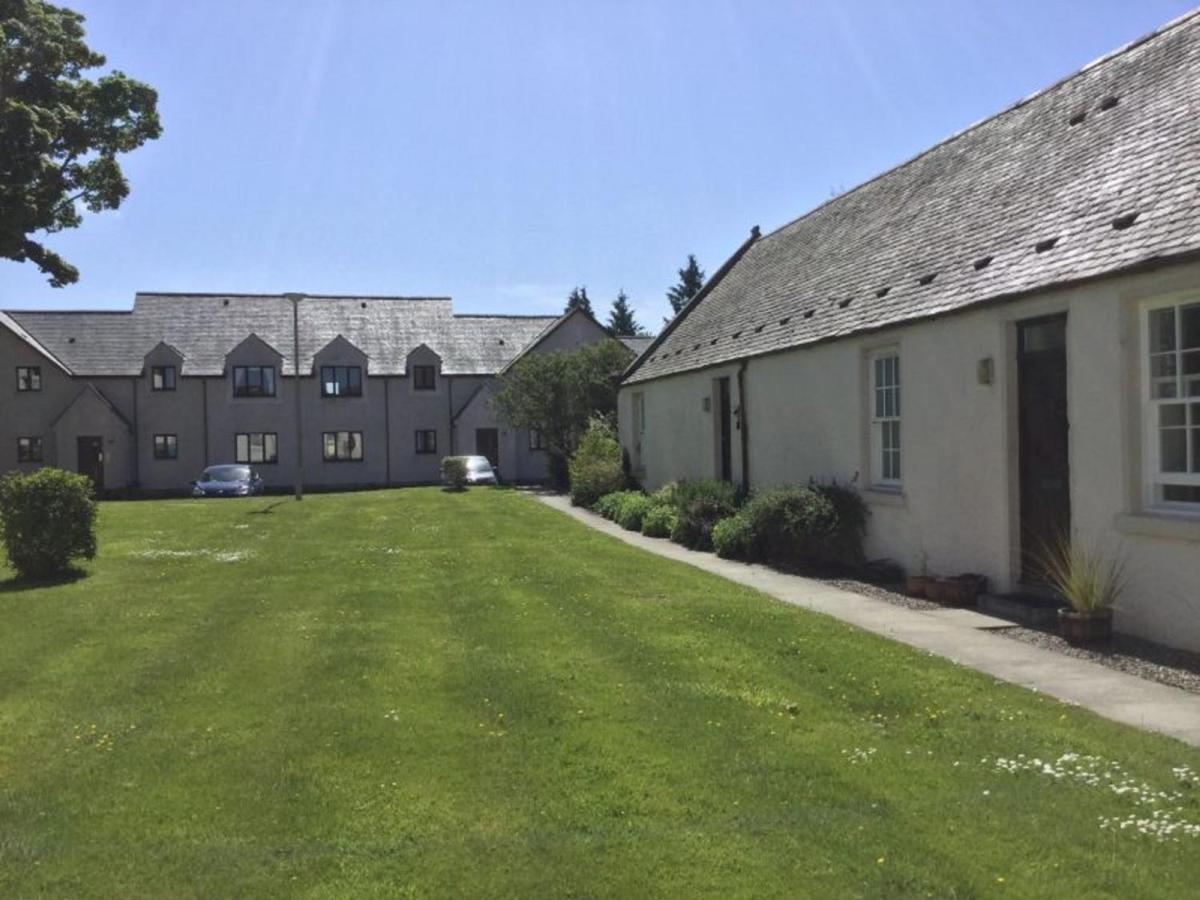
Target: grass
{"points": [[416, 693]]}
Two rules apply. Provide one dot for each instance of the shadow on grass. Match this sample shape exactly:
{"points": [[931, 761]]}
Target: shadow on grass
{"points": [[17, 584], [266, 510]]}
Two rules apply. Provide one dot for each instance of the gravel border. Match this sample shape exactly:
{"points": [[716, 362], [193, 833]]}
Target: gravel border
{"points": [[1125, 653]]}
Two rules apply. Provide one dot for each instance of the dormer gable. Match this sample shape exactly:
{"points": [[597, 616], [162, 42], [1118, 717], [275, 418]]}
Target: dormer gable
{"points": [[162, 366], [423, 366], [253, 351], [340, 352]]}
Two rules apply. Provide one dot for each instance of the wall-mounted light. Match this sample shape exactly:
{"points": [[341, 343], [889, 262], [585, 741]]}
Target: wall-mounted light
{"points": [[984, 370], [706, 404]]}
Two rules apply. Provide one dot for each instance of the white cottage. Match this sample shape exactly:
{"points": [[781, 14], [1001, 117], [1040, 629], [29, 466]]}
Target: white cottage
{"points": [[996, 341]]}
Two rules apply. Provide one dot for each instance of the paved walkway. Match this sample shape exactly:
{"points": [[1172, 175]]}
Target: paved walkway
{"points": [[957, 634]]}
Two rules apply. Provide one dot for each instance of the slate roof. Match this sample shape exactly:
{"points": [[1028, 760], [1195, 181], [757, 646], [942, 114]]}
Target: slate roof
{"points": [[1039, 195], [205, 327]]}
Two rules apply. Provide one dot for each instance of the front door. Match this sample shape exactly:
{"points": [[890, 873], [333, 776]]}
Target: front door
{"points": [[1042, 433], [487, 443], [91, 460], [725, 424]]}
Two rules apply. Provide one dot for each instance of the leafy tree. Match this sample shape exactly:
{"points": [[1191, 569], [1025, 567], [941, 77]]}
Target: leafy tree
{"points": [[620, 320], [558, 393], [60, 132], [691, 279], [578, 299]]}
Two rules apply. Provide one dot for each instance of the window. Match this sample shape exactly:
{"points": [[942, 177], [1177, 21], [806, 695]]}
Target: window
{"points": [[427, 441], [29, 378], [885, 418], [256, 447], [254, 381], [341, 381], [536, 441], [162, 378], [1173, 406], [29, 449], [342, 446], [424, 378], [166, 446]]}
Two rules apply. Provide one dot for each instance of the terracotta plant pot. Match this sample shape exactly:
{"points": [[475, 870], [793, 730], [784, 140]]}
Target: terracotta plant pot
{"points": [[918, 585], [1085, 628]]}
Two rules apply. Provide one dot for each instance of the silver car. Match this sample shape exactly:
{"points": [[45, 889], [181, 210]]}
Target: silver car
{"points": [[480, 470]]}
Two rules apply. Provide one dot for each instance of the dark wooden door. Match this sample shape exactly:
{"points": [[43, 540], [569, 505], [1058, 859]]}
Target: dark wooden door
{"points": [[725, 424], [91, 460], [487, 443], [1043, 435]]}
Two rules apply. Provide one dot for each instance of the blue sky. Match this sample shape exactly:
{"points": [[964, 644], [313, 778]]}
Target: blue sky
{"points": [[501, 153]]}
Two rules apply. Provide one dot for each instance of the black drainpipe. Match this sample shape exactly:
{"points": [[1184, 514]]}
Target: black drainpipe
{"points": [[743, 425], [387, 433], [137, 440], [204, 404]]}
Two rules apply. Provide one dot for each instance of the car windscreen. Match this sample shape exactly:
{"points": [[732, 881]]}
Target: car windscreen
{"points": [[226, 473], [478, 464]]}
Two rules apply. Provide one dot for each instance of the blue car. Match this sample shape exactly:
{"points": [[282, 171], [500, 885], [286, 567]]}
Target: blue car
{"points": [[227, 481]]}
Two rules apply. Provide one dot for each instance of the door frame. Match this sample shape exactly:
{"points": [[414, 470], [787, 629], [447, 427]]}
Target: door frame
{"points": [[1016, 474], [496, 434], [98, 442]]}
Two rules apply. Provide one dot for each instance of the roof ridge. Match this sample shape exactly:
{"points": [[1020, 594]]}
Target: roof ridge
{"points": [[268, 296], [1177, 22]]}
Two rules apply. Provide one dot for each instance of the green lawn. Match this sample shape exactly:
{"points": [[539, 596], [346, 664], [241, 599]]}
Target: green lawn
{"points": [[415, 693]]}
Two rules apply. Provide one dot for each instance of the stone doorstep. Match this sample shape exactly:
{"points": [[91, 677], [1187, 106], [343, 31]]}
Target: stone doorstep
{"points": [[960, 635]]}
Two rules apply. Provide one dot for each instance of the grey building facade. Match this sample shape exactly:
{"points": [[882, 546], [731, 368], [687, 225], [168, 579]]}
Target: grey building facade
{"points": [[143, 400]]}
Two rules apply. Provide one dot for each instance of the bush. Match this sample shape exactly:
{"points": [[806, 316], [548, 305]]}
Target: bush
{"points": [[699, 505], [659, 520], [47, 519], [595, 469], [632, 510], [732, 537], [608, 504], [454, 472], [819, 526]]}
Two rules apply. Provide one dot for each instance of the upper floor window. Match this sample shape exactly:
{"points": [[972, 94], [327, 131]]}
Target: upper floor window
{"points": [[256, 447], [885, 418], [1173, 405], [29, 449], [424, 378], [29, 378], [162, 378], [341, 381], [254, 381], [536, 441], [426, 441], [342, 446]]}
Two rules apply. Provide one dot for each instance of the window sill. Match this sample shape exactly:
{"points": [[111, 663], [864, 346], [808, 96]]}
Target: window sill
{"points": [[1160, 524], [885, 496]]}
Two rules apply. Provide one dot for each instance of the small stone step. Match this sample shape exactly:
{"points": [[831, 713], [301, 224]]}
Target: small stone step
{"points": [[1025, 609]]}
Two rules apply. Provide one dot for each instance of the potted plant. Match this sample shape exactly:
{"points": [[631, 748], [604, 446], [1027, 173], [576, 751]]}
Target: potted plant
{"points": [[961, 590], [1091, 582], [918, 585]]}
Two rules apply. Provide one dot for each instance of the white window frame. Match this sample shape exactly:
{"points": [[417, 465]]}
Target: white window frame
{"points": [[885, 416], [1154, 479]]}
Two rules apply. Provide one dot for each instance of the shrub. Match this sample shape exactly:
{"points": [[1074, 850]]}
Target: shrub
{"points": [[595, 469], [659, 520], [47, 519], [699, 505], [816, 526], [1090, 579], [732, 537], [845, 545], [607, 505], [632, 511], [454, 472]]}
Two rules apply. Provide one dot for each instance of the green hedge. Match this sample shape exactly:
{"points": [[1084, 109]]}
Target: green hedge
{"points": [[659, 520], [47, 520], [595, 469], [700, 505]]}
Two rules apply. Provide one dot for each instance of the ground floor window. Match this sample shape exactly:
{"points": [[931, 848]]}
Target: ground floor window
{"points": [[426, 441], [536, 441], [256, 447], [166, 446], [1173, 402], [885, 418], [342, 446], [29, 449]]}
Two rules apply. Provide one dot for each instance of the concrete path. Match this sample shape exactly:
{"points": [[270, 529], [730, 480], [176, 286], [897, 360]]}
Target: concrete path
{"points": [[957, 634]]}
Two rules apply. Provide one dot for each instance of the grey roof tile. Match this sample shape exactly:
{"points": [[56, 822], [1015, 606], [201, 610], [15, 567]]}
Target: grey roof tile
{"points": [[205, 327], [996, 189]]}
